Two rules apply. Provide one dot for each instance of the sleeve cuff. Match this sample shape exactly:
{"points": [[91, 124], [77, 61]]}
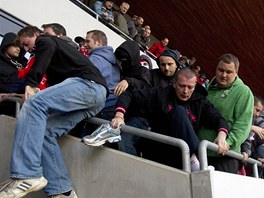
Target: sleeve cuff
{"points": [[121, 109], [224, 130]]}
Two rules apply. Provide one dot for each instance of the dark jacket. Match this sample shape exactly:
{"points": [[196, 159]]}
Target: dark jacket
{"points": [[8, 68], [138, 77], [157, 103], [159, 79], [142, 41], [59, 60]]}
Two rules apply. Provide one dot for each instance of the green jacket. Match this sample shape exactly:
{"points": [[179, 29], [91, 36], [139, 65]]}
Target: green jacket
{"points": [[235, 103]]}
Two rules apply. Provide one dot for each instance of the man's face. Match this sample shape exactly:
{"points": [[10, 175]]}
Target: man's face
{"points": [[225, 74], [257, 109], [27, 43], [139, 21], [124, 8], [109, 4], [167, 65], [91, 43], [165, 42], [12, 51], [146, 33], [184, 87]]}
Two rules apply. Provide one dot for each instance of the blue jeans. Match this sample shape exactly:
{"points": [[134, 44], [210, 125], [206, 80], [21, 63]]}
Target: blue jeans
{"points": [[44, 117]]}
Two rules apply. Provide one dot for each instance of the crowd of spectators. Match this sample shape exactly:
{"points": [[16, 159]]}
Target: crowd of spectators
{"points": [[175, 99]]}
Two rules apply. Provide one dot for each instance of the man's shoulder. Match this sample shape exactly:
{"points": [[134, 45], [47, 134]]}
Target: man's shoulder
{"points": [[241, 87], [102, 51], [131, 23], [200, 91]]}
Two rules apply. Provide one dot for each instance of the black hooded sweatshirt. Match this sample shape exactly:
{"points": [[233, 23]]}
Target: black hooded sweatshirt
{"points": [[138, 77], [8, 68]]}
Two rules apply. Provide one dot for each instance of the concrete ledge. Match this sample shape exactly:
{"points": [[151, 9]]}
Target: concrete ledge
{"points": [[103, 172]]}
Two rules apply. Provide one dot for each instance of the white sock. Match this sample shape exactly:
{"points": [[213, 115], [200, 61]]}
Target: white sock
{"points": [[195, 164]]}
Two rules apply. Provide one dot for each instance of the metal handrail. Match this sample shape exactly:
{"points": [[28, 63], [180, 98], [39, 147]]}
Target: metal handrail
{"points": [[204, 145], [154, 136], [152, 55]]}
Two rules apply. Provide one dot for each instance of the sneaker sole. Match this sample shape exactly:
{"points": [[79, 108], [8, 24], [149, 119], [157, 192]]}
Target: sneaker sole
{"points": [[40, 186], [110, 140]]}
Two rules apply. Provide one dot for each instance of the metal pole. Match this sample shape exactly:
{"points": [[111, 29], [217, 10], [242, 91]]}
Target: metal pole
{"points": [[156, 137], [204, 145]]}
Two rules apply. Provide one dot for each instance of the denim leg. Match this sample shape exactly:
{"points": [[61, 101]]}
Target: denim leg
{"points": [[128, 141], [53, 165], [72, 95], [180, 127]]}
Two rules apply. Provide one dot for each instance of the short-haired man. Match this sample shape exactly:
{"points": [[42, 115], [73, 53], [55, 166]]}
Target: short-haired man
{"points": [[235, 102], [158, 47], [104, 10], [135, 26], [119, 18], [103, 57], [178, 111], [78, 91], [143, 39], [56, 29], [256, 133]]}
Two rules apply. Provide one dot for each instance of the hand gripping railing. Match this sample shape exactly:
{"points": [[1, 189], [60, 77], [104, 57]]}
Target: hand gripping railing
{"points": [[204, 145], [154, 136]]}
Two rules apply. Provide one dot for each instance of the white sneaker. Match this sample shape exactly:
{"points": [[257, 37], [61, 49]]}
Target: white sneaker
{"points": [[102, 134], [72, 195], [195, 164], [16, 188]]}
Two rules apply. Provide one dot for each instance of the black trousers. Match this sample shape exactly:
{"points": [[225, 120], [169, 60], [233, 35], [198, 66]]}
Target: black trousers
{"points": [[178, 126], [224, 163]]}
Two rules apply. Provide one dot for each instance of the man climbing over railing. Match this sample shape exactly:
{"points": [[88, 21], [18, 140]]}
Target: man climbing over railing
{"points": [[77, 91]]}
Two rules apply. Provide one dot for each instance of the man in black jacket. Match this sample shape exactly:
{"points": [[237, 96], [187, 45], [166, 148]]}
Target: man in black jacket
{"points": [[169, 64], [76, 91], [9, 64], [177, 111]]}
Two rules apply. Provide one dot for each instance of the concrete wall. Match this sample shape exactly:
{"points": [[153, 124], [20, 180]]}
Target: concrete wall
{"points": [[103, 172], [216, 184]]}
